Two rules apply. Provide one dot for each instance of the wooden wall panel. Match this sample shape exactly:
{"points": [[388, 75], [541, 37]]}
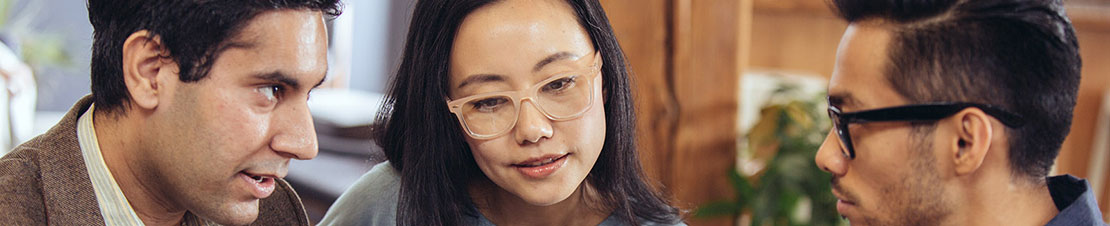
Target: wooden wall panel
{"points": [[641, 28], [706, 80], [795, 41], [685, 58]]}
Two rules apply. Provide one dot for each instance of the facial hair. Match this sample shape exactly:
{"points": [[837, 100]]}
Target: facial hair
{"points": [[918, 198]]}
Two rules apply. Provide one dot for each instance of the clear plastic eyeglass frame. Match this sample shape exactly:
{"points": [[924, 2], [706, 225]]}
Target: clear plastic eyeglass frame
{"points": [[586, 77]]}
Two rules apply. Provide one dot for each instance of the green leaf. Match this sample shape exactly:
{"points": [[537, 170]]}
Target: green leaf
{"points": [[799, 114], [717, 209], [744, 189]]}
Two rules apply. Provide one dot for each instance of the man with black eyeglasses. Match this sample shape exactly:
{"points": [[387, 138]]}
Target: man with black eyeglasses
{"points": [[952, 112]]}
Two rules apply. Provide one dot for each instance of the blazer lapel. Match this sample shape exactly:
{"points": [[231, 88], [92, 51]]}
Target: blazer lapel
{"points": [[67, 190]]}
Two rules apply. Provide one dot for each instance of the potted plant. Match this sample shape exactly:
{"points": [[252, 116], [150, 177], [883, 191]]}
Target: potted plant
{"points": [[788, 188]]}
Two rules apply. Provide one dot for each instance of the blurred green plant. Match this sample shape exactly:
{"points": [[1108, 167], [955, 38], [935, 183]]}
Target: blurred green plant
{"points": [[789, 189], [5, 7], [37, 48]]}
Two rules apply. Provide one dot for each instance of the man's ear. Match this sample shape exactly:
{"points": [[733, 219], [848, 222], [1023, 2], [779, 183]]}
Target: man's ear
{"points": [[144, 56], [974, 134]]}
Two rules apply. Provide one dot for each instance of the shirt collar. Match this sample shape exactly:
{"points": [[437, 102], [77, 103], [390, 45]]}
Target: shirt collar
{"points": [[114, 206], [1074, 199]]}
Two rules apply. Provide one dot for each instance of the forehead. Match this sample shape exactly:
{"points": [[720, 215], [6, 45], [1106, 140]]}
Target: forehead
{"points": [[510, 37], [288, 41], [859, 77]]}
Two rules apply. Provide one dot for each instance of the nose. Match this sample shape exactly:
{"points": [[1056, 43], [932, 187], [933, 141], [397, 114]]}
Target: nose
{"points": [[296, 135], [830, 158], [531, 124]]}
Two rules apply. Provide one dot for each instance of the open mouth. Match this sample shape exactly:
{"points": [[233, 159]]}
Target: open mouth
{"points": [[541, 161], [843, 205], [256, 178], [260, 186], [540, 168]]}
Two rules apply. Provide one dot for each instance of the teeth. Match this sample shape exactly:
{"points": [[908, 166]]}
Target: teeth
{"points": [[258, 178], [544, 162]]}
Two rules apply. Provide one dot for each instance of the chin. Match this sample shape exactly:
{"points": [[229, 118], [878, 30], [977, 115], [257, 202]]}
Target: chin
{"points": [[546, 201], [238, 213], [547, 198]]}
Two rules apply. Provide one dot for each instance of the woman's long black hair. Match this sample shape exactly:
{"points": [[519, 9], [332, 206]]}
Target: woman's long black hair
{"points": [[424, 141]]}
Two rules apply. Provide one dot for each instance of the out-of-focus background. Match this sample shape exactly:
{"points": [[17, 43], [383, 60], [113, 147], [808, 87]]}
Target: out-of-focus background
{"points": [[729, 96]]}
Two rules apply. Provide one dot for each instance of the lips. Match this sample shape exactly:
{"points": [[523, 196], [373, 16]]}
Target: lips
{"points": [[258, 184], [541, 167], [843, 205]]}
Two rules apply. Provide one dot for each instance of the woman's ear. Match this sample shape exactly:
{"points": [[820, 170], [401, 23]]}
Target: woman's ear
{"points": [[144, 56], [974, 134]]}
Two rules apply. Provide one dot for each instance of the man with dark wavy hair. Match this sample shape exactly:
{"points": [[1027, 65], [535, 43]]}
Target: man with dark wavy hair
{"points": [[196, 109], [951, 112]]}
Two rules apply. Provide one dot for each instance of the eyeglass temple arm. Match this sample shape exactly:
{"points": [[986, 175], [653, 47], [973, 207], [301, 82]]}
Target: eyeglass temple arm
{"points": [[930, 113]]}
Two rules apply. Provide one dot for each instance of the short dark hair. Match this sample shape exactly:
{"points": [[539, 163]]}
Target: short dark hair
{"points": [[424, 141], [193, 32], [1019, 55]]}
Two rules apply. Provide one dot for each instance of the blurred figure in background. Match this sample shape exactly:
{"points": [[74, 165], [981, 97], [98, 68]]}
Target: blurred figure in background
{"points": [[17, 100], [952, 113]]}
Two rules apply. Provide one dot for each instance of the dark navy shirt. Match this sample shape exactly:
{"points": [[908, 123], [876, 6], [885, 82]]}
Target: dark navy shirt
{"points": [[1074, 199]]}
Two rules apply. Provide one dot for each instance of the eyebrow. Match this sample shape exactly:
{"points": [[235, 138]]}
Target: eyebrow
{"points": [[274, 76], [478, 78], [840, 99], [481, 78], [283, 78], [550, 59]]}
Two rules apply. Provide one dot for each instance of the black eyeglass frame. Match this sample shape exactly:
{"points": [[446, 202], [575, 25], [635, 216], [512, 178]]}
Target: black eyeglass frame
{"points": [[911, 113]]}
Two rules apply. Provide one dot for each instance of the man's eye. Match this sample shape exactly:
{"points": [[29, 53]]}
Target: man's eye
{"points": [[270, 92]]}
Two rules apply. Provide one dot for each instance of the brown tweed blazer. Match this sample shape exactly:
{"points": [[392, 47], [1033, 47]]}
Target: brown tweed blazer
{"points": [[44, 182]]}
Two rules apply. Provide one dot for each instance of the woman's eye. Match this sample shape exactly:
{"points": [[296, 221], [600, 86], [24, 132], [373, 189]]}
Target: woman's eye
{"points": [[560, 84], [271, 93], [490, 104]]}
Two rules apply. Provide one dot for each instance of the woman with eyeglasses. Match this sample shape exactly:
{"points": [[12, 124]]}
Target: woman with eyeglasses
{"points": [[507, 112]]}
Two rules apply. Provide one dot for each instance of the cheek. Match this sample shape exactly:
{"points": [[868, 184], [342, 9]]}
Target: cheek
{"points": [[488, 153], [588, 132], [232, 127], [882, 152], [585, 134], [886, 141]]}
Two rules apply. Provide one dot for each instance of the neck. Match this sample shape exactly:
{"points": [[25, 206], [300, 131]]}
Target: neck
{"points": [[1006, 200], [117, 136], [504, 208]]}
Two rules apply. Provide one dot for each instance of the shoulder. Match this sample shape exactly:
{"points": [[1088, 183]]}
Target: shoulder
{"points": [[372, 200], [20, 188], [46, 176], [613, 220], [647, 223]]}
